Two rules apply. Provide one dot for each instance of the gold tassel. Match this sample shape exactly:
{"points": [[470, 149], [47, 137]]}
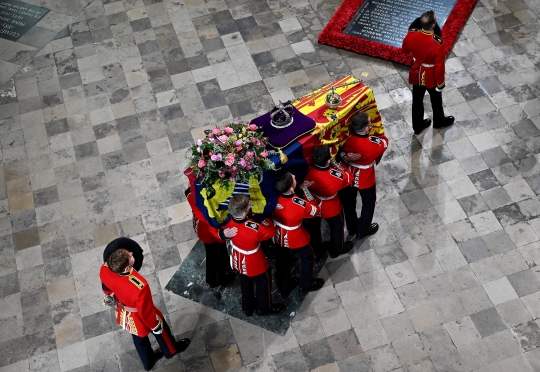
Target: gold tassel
{"points": [[282, 157]]}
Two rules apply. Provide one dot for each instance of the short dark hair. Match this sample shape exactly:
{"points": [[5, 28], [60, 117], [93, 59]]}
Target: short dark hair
{"points": [[118, 260], [238, 205], [427, 19], [284, 182], [360, 121], [321, 155]]}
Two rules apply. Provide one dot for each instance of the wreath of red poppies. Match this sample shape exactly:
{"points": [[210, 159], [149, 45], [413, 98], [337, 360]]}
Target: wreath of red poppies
{"points": [[333, 34]]}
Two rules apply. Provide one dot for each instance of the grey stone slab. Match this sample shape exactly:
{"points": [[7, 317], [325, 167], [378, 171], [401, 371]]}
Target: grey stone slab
{"points": [[488, 322], [524, 282], [474, 249]]}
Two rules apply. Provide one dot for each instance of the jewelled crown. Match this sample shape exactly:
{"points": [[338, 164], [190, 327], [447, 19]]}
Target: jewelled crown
{"points": [[281, 115]]}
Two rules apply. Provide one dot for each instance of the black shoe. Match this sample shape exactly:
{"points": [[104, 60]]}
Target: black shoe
{"points": [[347, 247], [315, 286], [293, 284], [248, 313], [180, 346], [372, 230], [274, 310], [448, 120], [158, 354], [425, 125]]}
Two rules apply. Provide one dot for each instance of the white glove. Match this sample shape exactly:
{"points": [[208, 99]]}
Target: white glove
{"points": [[108, 300], [158, 330], [438, 90]]}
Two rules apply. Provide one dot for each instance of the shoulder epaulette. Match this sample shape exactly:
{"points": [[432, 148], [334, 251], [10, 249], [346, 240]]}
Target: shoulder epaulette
{"points": [[414, 29], [136, 281], [437, 38]]}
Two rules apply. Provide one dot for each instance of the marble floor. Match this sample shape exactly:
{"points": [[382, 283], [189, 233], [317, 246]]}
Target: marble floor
{"points": [[94, 136]]}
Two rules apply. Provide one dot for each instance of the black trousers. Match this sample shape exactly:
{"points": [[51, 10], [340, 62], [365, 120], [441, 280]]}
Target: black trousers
{"points": [[218, 267], [418, 93], [261, 284], [283, 267], [166, 342], [337, 238], [355, 225]]}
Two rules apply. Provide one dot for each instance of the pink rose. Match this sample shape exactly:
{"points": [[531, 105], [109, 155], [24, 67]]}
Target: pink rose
{"points": [[238, 142], [201, 163], [242, 162], [238, 148], [229, 162], [234, 168], [216, 131], [223, 138], [216, 157], [228, 130], [252, 127], [264, 154], [221, 174]]}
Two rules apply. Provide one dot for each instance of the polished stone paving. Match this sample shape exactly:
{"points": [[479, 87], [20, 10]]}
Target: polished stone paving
{"points": [[94, 144]]}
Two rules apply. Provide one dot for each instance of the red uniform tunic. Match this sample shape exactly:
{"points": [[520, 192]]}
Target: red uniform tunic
{"points": [[206, 233], [247, 256], [327, 182], [132, 290], [371, 149], [426, 48], [289, 230]]}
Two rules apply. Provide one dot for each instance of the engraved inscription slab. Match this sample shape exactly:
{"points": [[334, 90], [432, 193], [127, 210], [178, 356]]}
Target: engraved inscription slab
{"points": [[16, 18], [387, 21]]}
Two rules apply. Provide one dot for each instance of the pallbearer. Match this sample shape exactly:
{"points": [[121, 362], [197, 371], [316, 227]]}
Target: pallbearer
{"points": [[324, 182], [362, 152], [218, 268], [249, 260], [290, 235]]}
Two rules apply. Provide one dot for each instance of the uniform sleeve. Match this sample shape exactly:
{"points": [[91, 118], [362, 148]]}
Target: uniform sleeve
{"points": [[267, 229], [382, 147], [103, 278], [439, 68], [347, 178], [311, 209], [146, 308], [404, 46]]}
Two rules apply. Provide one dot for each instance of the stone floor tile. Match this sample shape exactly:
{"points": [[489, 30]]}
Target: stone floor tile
{"points": [[308, 330], [344, 344], [334, 321], [449, 361], [424, 317], [475, 354], [502, 345]]}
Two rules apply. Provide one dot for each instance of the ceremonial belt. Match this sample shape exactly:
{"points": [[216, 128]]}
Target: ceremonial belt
{"points": [[127, 308], [247, 253], [287, 227], [324, 198], [427, 65], [359, 166]]}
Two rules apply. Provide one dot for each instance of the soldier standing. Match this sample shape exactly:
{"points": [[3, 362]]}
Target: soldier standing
{"points": [[427, 72], [291, 235], [323, 182], [249, 260], [135, 309], [362, 152]]}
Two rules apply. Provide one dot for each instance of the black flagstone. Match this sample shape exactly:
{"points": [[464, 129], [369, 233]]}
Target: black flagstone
{"points": [[189, 281]]}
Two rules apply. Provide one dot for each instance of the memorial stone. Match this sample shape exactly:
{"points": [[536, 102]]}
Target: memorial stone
{"points": [[387, 21], [16, 18]]}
